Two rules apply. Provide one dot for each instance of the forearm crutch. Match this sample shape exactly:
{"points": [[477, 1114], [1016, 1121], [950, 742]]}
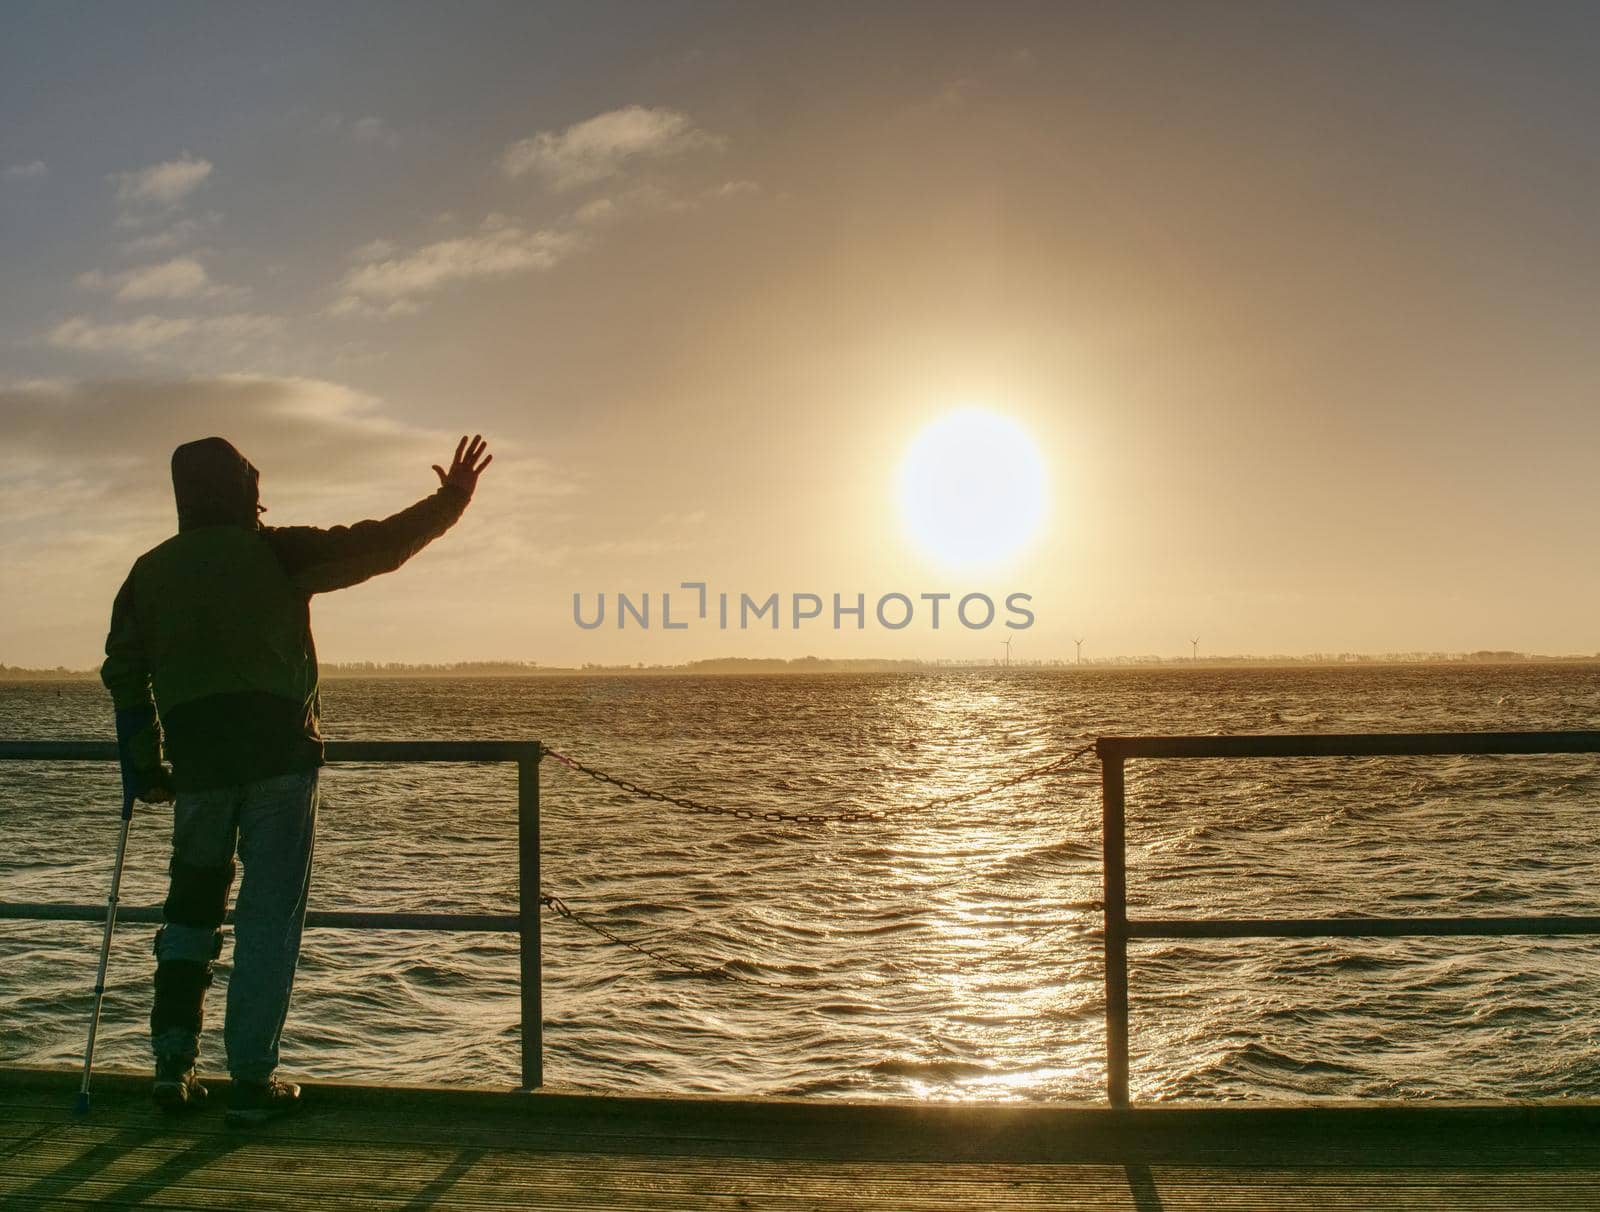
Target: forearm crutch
{"points": [[80, 1105]]}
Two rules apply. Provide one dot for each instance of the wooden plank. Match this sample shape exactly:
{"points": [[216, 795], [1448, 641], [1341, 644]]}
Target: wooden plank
{"points": [[267, 1161], [265, 1167], [1117, 1190], [481, 1180], [1328, 1144], [458, 1182], [396, 1149]]}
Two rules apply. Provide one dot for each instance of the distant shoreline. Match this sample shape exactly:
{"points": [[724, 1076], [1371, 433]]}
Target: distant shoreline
{"points": [[734, 666]]}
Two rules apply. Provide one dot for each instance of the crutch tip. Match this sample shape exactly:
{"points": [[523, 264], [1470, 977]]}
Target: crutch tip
{"points": [[80, 1105]]}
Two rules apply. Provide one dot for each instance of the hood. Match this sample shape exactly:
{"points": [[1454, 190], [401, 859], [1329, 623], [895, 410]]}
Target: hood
{"points": [[215, 485]]}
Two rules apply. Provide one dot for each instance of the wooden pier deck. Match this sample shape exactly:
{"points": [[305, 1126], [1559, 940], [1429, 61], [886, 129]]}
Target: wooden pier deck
{"points": [[408, 1148]]}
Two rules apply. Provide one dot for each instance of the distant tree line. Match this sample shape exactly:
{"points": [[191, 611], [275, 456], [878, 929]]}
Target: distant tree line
{"points": [[405, 668], [813, 664]]}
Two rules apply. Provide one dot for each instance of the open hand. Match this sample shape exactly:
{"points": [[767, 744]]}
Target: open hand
{"points": [[465, 468]]}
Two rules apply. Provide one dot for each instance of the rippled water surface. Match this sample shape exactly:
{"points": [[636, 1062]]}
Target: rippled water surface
{"points": [[952, 953]]}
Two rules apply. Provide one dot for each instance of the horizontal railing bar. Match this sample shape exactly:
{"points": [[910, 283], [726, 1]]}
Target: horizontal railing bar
{"points": [[1354, 927], [355, 919], [1360, 744], [432, 751], [1379, 744], [336, 751]]}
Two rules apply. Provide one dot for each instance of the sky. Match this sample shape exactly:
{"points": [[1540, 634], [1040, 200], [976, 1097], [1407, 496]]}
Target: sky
{"points": [[1287, 311]]}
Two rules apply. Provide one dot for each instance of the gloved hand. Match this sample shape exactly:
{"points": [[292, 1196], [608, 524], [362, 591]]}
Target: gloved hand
{"points": [[144, 775]]}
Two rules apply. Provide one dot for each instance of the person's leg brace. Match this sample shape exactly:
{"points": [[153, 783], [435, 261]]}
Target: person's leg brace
{"points": [[277, 830], [204, 833]]}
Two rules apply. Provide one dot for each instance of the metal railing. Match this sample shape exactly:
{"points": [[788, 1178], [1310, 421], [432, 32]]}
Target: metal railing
{"points": [[1114, 751], [524, 923]]}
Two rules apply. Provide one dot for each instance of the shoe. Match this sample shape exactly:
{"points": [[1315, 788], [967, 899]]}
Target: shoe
{"points": [[254, 1103], [177, 1087]]}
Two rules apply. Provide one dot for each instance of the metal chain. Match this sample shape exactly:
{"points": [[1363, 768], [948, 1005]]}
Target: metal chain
{"points": [[820, 818], [719, 971]]}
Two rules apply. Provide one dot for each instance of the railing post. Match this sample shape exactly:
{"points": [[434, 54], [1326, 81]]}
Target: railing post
{"points": [[1114, 841], [528, 891]]}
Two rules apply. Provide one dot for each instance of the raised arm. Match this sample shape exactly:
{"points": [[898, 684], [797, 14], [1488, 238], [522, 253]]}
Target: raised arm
{"points": [[319, 560]]}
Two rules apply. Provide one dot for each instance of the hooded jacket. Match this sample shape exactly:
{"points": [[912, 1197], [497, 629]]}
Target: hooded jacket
{"points": [[213, 626]]}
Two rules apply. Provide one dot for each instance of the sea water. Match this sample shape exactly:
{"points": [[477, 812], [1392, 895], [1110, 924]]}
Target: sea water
{"points": [[947, 953]]}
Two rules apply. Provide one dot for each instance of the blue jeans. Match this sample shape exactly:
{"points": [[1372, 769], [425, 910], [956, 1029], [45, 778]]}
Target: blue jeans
{"points": [[271, 824]]}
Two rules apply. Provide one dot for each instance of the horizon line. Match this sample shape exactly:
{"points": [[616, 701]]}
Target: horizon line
{"points": [[512, 667]]}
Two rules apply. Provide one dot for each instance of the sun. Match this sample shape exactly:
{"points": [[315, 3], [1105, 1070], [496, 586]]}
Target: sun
{"points": [[972, 488]]}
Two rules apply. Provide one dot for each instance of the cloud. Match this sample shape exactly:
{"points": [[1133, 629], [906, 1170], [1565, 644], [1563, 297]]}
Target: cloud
{"points": [[373, 130], [374, 250], [385, 277], [129, 336], [351, 305], [600, 147], [107, 418], [161, 185], [85, 485], [650, 198], [499, 248], [91, 457], [145, 334], [362, 130], [597, 211], [638, 200], [180, 232], [96, 451], [33, 170], [315, 435], [179, 278]]}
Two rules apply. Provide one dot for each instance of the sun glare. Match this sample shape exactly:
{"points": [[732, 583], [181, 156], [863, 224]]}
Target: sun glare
{"points": [[972, 488]]}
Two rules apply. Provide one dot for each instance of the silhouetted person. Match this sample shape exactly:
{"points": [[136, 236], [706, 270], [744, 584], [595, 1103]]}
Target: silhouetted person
{"points": [[211, 633]]}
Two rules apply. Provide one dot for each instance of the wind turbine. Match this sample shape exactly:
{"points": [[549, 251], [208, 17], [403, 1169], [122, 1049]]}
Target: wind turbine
{"points": [[1194, 649], [1008, 650], [1079, 643]]}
